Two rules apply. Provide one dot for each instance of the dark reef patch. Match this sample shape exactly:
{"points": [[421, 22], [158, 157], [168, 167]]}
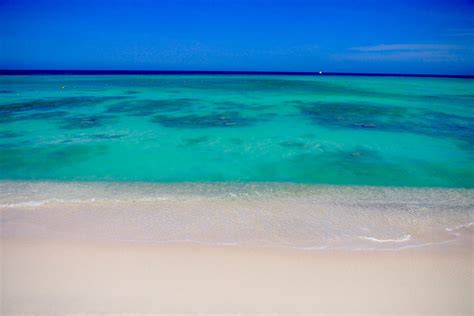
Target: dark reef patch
{"points": [[9, 134], [388, 119], [53, 103], [231, 105], [191, 141], [293, 144], [16, 144], [151, 107], [439, 124], [45, 115], [458, 127], [106, 136], [6, 91], [7, 118], [237, 106], [227, 119], [85, 121], [228, 105], [236, 141], [455, 124], [354, 115]]}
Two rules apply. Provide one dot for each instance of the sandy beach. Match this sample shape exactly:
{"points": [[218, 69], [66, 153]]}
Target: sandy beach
{"points": [[253, 248], [55, 277]]}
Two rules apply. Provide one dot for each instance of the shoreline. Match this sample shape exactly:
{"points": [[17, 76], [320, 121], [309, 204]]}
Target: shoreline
{"points": [[266, 215]]}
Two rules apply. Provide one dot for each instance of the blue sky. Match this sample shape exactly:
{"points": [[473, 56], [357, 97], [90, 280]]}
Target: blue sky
{"points": [[417, 36]]}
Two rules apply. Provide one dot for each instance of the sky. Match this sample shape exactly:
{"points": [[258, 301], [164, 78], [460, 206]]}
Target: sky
{"points": [[384, 36]]}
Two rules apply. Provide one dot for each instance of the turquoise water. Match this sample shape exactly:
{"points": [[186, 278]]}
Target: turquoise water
{"points": [[194, 128]]}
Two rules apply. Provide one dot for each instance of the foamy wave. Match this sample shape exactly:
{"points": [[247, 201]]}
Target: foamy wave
{"points": [[402, 239], [77, 201], [178, 241], [460, 227], [41, 202], [24, 204], [311, 248]]}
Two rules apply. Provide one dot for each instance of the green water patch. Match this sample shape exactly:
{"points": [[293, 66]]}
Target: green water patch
{"points": [[460, 175], [358, 165], [31, 162]]}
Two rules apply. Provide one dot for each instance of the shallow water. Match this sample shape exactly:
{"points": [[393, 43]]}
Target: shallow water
{"points": [[383, 131], [308, 217]]}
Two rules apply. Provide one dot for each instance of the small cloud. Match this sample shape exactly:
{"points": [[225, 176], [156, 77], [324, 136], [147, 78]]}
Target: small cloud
{"points": [[403, 52], [403, 47], [424, 56], [460, 33]]}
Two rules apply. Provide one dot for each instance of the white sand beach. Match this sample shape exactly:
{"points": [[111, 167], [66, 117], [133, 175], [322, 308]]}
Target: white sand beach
{"points": [[57, 277], [115, 248]]}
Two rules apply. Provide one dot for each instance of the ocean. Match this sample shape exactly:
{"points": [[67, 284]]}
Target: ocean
{"points": [[341, 130]]}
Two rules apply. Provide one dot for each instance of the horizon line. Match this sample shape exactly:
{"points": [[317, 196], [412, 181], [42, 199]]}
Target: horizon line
{"points": [[215, 72]]}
